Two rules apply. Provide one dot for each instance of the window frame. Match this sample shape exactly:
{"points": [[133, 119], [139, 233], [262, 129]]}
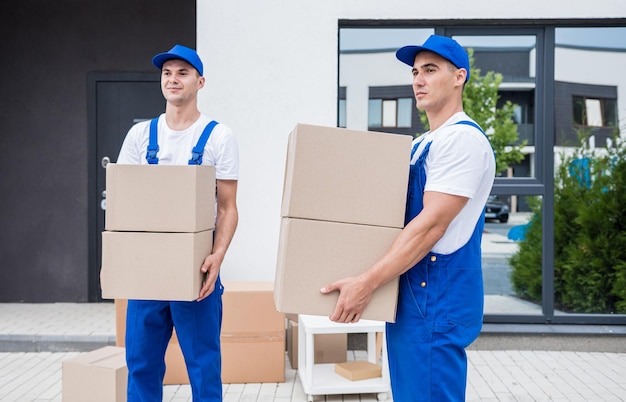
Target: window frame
{"points": [[542, 183]]}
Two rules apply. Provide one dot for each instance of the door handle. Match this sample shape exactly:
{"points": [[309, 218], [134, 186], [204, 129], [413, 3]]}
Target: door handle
{"points": [[103, 202]]}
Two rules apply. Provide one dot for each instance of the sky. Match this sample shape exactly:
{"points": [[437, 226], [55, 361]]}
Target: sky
{"points": [[384, 38]]}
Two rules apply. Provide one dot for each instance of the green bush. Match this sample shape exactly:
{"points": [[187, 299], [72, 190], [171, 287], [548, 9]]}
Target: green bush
{"points": [[589, 234]]}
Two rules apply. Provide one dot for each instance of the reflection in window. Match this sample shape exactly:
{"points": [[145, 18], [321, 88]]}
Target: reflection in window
{"points": [[590, 112], [390, 112], [507, 219]]}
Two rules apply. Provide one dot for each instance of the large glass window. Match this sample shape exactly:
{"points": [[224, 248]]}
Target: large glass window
{"points": [[589, 156], [549, 248]]}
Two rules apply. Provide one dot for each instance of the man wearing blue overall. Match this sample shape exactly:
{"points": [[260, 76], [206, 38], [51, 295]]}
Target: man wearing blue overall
{"points": [[437, 255], [181, 136]]}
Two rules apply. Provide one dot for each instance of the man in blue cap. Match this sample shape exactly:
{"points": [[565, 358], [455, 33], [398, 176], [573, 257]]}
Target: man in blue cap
{"points": [[181, 136], [437, 255]]}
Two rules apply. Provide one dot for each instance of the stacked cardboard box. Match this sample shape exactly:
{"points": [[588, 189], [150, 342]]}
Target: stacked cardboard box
{"points": [[253, 334], [252, 337], [159, 228], [159, 225], [343, 205]]}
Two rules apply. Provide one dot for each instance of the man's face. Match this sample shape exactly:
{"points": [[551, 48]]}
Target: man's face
{"points": [[435, 81], [180, 82]]}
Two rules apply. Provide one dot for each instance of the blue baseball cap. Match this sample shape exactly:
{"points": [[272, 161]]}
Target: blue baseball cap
{"points": [[445, 47], [179, 52]]}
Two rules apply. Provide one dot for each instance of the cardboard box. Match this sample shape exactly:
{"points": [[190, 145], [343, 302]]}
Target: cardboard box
{"points": [[327, 348], [153, 266], [175, 367], [97, 376], [340, 175], [358, 370], [312, 254], [252, 337], [160, 198], [253, 334]]}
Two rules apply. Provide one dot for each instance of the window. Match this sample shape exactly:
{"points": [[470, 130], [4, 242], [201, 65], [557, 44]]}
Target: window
{"points": [[594, 112], [390, 112], [553, 101]]}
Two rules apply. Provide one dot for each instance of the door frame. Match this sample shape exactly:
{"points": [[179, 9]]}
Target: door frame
{"points": [[93, 78]]}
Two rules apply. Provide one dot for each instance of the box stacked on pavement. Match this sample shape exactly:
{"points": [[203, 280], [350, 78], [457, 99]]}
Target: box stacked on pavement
{"points": [[343, 205], [159, 228], [253, 334], [97, 376], [252, 337]]}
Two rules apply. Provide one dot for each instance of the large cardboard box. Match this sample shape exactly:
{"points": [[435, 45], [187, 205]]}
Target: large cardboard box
{"points": [[253, 334], [97, 376], [340, 175], [160, 198], [175, 367], [312, 254], [153, 266], [327, 348]]}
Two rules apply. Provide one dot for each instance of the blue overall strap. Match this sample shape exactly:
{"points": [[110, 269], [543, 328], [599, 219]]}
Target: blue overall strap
{"points": [[153, 146], [471, 123], [198, 150]]}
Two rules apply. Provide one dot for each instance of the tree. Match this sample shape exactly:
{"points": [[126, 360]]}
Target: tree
{"points": [[480, 98]]}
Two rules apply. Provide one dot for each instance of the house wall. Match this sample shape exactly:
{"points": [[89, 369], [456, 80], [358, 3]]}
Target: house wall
{"points": [[276, 65], [269, 65], [48, 49]]}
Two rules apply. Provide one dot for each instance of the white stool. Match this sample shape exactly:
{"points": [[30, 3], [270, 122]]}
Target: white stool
{"points": [[321, 379]]}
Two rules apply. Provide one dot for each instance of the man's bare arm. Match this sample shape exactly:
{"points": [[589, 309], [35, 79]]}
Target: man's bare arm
{"points": [[412, 244], [225, 226]]}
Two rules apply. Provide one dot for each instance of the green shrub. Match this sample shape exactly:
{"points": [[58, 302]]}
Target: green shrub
{"points": [[589, 234]]}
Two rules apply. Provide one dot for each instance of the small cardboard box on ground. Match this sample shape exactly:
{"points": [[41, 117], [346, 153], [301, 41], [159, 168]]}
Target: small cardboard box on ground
{"points": [[313, 253], [160, 198], [153, 266], [253, 334], [97, 376], [328, 348], [358, 370], [339, 175], [175, 367]]}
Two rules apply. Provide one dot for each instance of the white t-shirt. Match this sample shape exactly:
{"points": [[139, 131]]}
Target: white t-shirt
{"points": [[460, 162], [175, 147]]}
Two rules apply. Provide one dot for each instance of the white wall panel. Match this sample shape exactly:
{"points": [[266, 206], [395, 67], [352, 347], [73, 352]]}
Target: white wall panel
{"points": [[271, 64]]}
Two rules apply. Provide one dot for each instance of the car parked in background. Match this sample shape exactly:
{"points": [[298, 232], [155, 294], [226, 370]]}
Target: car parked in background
{"points": [[496, 209]]}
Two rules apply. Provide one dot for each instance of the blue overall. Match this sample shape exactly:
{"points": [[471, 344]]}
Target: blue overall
{"points": [[440, 312], [149, 326]]}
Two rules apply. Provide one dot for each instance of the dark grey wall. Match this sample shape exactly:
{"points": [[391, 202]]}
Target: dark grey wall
{"points": [[48, 49]]}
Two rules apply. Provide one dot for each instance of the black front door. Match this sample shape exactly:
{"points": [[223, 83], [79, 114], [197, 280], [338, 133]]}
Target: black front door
{"points": [[116, 102]]}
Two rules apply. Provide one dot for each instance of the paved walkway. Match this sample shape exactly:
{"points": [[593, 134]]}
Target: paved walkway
{"points": [[36, 338]]}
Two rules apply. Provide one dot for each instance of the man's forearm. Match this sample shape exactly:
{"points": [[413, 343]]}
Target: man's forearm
{"points": [[225, 227]]}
